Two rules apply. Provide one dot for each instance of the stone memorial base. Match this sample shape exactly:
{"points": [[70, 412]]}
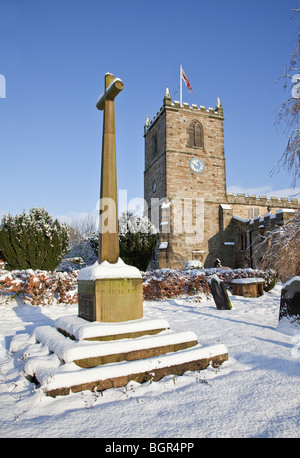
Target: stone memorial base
{"points": [[110, 292], [69, 358]]}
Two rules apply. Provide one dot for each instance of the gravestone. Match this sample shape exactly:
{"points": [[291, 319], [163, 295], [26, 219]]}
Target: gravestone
{"points": [[219, 293], [290, 299], [109, 291]]}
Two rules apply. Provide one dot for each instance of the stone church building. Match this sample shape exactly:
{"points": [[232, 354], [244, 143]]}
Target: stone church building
{"points": [[185, 191]]}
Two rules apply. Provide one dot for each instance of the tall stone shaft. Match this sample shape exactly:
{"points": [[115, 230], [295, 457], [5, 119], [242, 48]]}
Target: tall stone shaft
{"points": [[109, 236]]}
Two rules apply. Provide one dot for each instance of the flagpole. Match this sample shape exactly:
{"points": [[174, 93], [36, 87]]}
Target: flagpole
{"points": [[180, 85]]}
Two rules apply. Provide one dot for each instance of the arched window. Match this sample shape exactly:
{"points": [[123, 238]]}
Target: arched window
{"points": [[154, 144], [196, 135]]}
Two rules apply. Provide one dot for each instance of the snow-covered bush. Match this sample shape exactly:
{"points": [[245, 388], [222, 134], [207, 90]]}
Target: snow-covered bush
{"points": [[32, 241], [40, 287], [46, 288], [193, 265], [81, 255], [167, 283]]}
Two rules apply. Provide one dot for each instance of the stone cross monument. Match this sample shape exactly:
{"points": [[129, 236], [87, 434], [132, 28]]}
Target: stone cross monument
{"points": [[109, 291], [109, 241]]}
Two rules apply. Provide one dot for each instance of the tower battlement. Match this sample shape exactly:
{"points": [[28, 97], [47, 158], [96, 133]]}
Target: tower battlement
{"points": [[262, 201], [168, 104]]}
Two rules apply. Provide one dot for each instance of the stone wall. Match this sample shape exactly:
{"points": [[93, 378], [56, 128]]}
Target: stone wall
{"points": [[191, 235]]}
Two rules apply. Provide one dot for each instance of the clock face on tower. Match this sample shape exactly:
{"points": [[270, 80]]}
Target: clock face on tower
{"points": [[196, 165]]}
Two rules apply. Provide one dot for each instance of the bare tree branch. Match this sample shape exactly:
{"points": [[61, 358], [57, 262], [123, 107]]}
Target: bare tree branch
{"points": [[289, 111], [82, 228], [281, 248]]}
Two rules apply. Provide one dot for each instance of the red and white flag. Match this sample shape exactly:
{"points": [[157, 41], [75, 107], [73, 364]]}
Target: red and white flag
{"points": [[187, 83]]}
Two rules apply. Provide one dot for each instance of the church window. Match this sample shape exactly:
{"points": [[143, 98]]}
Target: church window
{"points": [[244, 244], [253, 212], [195, 133], [154, 144]]}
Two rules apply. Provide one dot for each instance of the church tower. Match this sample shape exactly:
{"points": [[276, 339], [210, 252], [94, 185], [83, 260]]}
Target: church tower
{"points": [[185, 182]]}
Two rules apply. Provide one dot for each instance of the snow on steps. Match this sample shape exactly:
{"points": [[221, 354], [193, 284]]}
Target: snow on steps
{"points": [[60, 380], [80, 329], [90, 354], [60, 364]]}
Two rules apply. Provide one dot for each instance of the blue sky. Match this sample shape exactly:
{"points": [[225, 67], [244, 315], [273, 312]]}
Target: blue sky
{"points": [[54, 55]]}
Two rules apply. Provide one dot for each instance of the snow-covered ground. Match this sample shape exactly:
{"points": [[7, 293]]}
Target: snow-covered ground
{"points": [[253, 394]]}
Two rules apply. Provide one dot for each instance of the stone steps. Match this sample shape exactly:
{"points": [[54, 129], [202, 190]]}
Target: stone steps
{"points": [[66, 378], [60, 364], [93, 353], [77, 328]]}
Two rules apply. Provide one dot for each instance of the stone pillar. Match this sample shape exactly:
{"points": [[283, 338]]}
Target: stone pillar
{"points": [[109, 236]]}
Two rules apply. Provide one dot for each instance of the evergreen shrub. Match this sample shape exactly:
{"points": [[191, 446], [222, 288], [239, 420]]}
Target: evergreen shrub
{"points": [[32, 241], [137, 240]]}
